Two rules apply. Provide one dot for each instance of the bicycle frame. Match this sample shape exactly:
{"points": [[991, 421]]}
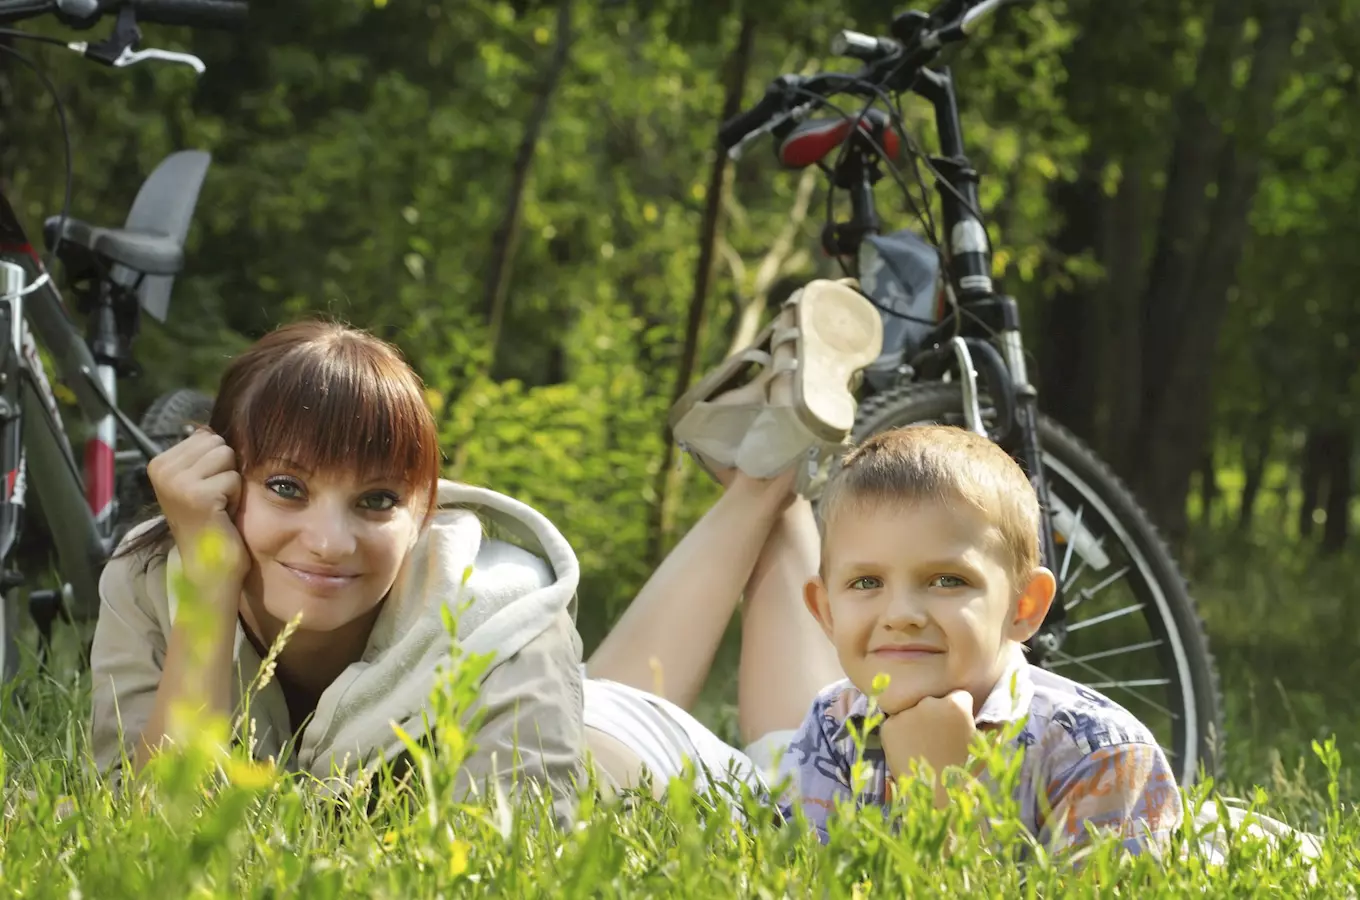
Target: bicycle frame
{"points": [[982, 315], [80, 506]]}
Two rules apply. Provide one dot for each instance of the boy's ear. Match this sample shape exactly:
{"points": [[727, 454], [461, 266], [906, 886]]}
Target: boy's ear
{"points": [[818, 603], [1032, 604]]}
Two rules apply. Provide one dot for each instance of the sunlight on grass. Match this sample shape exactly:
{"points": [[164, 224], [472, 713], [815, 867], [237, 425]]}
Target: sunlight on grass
{"points": [[203, 821]]}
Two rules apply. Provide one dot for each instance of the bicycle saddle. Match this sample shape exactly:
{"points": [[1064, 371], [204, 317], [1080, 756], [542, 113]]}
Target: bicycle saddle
{"points": [[142, 251]]}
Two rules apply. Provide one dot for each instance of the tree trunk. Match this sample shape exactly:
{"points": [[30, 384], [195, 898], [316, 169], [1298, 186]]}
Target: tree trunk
{"points": [[1183, 328], [1186, 203], [1208, 488], [1255, 455], [737, 65], [1336, 502], [1069, 355], [1310, 480], [506, 237], [781, 257], [1120, 305]]}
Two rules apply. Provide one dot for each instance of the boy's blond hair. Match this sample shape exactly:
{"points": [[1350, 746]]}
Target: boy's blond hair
{"points": [[940, 463]]}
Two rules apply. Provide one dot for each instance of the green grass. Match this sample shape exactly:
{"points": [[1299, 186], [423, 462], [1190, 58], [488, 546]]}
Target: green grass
{"points": [[199, 825]]}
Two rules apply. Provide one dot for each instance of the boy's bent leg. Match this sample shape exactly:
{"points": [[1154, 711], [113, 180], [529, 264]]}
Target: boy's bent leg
{"points": [[785, 657], [666, 639]]}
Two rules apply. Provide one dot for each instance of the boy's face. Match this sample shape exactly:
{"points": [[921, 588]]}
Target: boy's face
{"points": [[920, 592]]}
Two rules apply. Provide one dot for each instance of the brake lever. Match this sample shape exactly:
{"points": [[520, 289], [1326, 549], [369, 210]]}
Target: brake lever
{"points": [[117, 49], [797, 114], [130, 57]]}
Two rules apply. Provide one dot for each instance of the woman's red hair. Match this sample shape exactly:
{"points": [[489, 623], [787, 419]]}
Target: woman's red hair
{"points": [[325, 396]]}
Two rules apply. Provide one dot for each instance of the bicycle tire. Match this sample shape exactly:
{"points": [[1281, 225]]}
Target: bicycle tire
{"points": [[9, 648], [169, 419], [173, 415], [1070, 466]]}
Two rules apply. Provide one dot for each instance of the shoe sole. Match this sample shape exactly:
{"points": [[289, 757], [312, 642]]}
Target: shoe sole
{"points": [[840, 332]]}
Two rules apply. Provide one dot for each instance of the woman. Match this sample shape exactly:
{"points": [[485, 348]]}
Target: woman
{"points": [[318, 474]]}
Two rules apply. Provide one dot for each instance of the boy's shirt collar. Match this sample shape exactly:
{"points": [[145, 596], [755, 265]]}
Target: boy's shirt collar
{"points": [[1002, 706]]}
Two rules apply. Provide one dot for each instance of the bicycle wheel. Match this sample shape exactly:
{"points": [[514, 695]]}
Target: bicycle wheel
{"points": [[9, 621], [170, 419], [1133, 631]]}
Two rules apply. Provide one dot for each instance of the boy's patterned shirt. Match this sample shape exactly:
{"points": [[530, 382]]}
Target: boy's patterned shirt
{"points": [[1087, 760]]}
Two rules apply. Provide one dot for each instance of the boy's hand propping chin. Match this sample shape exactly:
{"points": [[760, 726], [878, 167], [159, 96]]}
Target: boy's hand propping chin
{"points": [[937, 730]]}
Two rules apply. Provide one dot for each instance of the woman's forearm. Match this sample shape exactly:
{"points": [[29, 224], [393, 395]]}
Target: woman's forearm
{"points": [[199, 677]]}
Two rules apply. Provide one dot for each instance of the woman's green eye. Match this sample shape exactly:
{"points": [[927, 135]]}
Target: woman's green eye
{"points": [[379, 502], [286, 488]]}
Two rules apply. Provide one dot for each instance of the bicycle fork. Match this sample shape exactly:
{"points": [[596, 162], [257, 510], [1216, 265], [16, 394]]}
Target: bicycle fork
{"points": [[1026, 437]]}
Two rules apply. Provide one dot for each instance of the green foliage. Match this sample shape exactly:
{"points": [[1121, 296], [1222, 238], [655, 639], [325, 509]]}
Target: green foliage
{"points": [[364, 158]]}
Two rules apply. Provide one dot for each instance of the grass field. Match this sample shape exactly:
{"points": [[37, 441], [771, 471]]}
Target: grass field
{"points": [[198, 825]]}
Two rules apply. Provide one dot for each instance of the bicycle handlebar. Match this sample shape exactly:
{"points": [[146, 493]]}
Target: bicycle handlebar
{"points": [[743, 123], [889, 64], [85, 13], [191, 13]]}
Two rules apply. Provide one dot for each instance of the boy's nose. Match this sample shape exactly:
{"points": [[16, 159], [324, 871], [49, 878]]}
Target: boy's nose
{"points": [[904, 611]]}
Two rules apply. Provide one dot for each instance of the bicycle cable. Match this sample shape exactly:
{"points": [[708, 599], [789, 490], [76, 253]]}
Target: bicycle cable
{"points": [[65, 130], [921, 320], [917, 156], [922, 213]]}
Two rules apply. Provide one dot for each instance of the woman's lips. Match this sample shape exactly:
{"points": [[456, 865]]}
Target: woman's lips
{"points": [[320, 579]]}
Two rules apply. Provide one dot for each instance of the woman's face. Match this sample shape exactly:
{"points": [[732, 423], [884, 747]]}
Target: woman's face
{"points": [[326, 544]]}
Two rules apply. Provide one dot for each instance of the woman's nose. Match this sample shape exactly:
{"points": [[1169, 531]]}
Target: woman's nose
{"points": [[327, 533]]}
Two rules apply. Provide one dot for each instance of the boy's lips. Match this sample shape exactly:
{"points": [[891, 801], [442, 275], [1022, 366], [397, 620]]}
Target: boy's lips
{"points": [[906, 651]]}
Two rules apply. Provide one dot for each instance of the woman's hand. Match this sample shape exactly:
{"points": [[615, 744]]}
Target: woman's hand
{"points": [[198, 489]]}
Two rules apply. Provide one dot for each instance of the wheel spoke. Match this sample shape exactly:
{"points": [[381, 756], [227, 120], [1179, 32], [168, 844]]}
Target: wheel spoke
{"points": [[1103, 617], [1118, 651], [1110, 682], [1137, 682], [1071, 546], [1088, 593], [1080, 570]]}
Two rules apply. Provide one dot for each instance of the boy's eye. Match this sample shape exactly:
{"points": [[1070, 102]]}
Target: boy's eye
{"points": [[379, 501], [948, 581], [866, 583], [287, 488]]}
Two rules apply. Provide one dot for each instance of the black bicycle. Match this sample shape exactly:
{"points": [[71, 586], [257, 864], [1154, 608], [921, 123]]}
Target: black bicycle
{"points": [[1123, 621], [117, 274]]}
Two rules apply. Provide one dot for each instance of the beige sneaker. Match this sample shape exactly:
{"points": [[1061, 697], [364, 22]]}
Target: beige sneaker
{"points": [[787, 398]]}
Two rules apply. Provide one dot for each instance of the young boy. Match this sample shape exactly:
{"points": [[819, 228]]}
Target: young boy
{"points": [[930, 576]]}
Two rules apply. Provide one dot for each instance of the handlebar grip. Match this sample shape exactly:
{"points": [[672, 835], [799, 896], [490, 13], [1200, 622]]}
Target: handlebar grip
{"points": [[191, 13], [863, 47], [743, 123]]}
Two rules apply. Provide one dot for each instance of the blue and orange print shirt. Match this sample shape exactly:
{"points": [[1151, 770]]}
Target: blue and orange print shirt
{"points": [[1087, 760]]}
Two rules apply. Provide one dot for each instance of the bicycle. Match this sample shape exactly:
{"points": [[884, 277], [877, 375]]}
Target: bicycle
{"points": [[118, 274], [953, 354]]}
